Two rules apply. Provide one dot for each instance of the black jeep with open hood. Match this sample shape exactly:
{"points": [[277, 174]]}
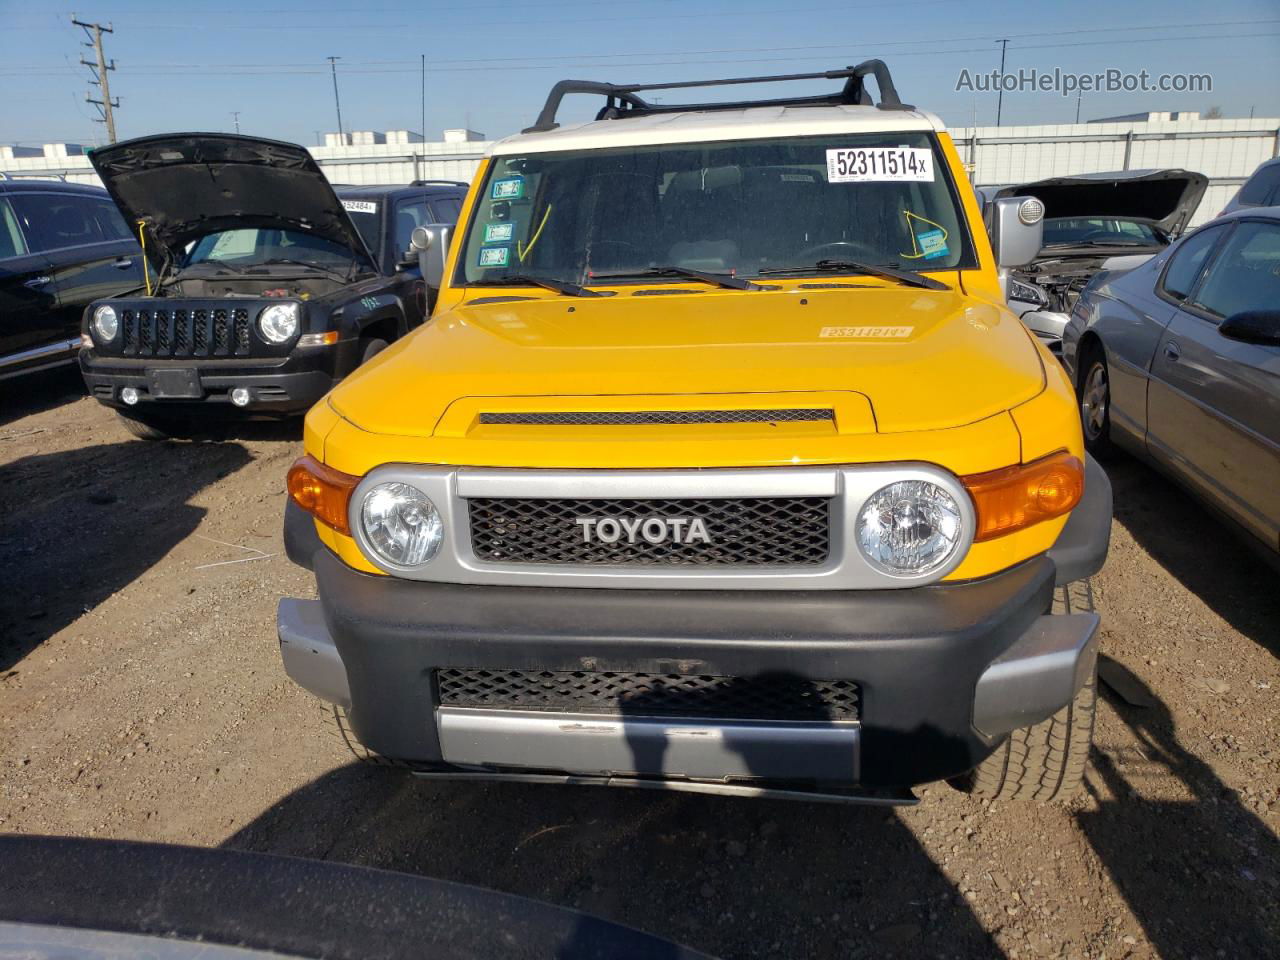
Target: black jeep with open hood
{"points": [[265, 285], [1092, 222]]}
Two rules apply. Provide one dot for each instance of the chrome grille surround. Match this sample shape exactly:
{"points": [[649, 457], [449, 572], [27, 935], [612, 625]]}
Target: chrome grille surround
{"points": [[847, 487]]}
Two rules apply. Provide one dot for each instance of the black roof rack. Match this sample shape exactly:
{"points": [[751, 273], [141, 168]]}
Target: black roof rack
{"points": [[621, 99], [447, 183]]}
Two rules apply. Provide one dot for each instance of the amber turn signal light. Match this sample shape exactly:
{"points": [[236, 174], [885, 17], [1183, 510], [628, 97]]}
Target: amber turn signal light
{"points": [[1017, 497], [322, 491]]}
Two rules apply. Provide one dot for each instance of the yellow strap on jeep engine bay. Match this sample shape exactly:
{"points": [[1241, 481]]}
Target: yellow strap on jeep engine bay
{"points": [[142, 242]]}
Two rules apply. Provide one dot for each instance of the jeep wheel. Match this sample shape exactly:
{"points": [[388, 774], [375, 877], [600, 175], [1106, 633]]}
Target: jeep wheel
{"points": [[1045, 761], [146, 429], [371, 349], [1095, 402]]}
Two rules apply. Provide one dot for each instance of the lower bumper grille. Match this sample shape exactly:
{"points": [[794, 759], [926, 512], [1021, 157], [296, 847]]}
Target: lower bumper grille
{"points": [[741, 531], [765, 697]]}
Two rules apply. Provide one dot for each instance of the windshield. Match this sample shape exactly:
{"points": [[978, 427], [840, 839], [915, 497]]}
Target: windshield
{"points": [[742, 207], [1065, 231], [253, 247]]}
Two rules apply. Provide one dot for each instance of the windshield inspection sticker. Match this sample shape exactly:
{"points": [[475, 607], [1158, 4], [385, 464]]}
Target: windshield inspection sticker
{"points": [[359, 206], [880, 164], [866, 333], [508, 188], [494, 256], [499, 232]]}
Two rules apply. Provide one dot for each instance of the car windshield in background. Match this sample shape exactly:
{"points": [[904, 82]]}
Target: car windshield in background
{"points": [[1100, 231], [256, 247], [750, 208]]}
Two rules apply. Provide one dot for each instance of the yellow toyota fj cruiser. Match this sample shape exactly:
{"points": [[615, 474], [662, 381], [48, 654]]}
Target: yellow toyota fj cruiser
{"points": [[721, 465]]}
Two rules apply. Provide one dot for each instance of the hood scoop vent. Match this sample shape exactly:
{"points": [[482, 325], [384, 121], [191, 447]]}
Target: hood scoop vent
{"points": [[629, 418]]}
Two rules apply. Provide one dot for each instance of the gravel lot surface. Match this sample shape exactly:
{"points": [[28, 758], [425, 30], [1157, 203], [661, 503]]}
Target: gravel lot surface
{"points": [[141, 697]]}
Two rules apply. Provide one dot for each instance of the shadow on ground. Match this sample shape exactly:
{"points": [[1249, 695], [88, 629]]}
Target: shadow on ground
{"points": [[78, 525], [1201, 874], [1200, 549], [33, 393], [734, 877]]}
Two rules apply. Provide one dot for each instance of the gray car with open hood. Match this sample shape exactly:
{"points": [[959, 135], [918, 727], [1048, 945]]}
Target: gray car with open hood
{"points": [[266, 285], [1112, 220]]}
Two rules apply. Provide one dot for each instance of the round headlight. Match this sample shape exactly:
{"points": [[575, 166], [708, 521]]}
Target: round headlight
{"points": [[105, 323], [909, 528], [401, 525], [279, 322]]}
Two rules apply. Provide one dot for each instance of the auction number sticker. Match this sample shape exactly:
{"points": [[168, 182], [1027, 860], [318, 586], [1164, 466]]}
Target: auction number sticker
{"points": [[499, 232], [359, 206], [508, 188], [877, 164], [494, 256]]}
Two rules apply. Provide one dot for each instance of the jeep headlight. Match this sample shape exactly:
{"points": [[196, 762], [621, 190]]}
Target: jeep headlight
{"points": [[278, 322], [401, 524], [105, 323], [910, 528]]}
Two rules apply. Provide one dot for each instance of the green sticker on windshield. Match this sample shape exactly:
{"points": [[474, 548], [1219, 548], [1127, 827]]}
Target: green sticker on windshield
{"points": [[508, 188], [494, 256], [499, 232]]}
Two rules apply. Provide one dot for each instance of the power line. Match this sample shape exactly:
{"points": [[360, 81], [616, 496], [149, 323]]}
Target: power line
{"points": [[94, 32]]}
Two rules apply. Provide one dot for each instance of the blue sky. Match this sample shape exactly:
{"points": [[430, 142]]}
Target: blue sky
{"points": [[490, 63]]}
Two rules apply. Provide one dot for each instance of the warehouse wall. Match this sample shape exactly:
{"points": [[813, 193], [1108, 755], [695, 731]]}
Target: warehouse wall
{"points": [[1226, 151]]}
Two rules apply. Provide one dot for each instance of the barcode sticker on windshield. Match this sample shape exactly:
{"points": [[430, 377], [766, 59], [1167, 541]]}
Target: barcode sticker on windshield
{"points": [[873, 164], [359, 206]]}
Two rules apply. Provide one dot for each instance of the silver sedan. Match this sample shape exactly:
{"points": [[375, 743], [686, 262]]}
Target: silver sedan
{"points": [[1178, 361]]}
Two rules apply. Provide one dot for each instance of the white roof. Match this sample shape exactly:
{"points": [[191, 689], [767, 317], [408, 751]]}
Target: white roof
{"points": [[749, 123]]}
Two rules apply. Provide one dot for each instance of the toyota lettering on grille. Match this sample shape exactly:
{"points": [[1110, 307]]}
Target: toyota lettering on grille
{"points": [[653, 530]]}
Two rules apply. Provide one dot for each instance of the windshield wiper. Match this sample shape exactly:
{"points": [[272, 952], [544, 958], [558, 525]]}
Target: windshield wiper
{"points": [[564, 287], [1126, 242], [870, 269], [285, 262], [718, 279]]}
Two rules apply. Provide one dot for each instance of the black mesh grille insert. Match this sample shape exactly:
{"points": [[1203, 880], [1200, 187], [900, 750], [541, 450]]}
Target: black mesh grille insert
{"points": [[767, 697], [740, 531], [649, 417]]}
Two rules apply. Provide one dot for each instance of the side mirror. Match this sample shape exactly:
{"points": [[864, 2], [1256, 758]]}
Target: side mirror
{"points": [[431, 244], [1253, 326], [1017, 230]]}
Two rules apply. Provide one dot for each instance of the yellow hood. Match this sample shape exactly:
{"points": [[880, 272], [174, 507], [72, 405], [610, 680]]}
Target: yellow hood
{"points": [[924, 359]]}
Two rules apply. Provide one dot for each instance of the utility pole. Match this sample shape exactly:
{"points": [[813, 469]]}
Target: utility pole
{"points": [[94, 32], [333, 68], [1004, 45], [1079, 97], [235, 115]]}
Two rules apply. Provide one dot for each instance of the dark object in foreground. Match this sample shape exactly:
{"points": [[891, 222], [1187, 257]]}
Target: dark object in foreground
{"points": [[284, 905]]}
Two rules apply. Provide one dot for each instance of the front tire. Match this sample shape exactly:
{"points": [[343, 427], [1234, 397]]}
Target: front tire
{"points": [[149, 430], [371, 348], [1045, 761], [1094, 392]]}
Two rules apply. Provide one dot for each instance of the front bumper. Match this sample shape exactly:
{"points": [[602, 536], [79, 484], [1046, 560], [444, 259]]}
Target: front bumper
{"points": [[277, 387], [944, 671]]}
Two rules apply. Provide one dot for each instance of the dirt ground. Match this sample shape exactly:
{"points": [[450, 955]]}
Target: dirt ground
{"points": [[142, 697]]}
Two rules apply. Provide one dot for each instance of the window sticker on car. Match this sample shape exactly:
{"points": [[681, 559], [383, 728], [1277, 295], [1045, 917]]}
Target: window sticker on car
{"points": [[499, 232], [866, 333], [494, 256], [508, 188], [879, 164], [928, 238], [799, 178], [359, 206]]}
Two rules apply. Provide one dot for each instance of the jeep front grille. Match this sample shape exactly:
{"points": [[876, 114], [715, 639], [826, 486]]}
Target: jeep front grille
{"points": [[754, 531], [185, 332], [657, 417], [766, 697]]}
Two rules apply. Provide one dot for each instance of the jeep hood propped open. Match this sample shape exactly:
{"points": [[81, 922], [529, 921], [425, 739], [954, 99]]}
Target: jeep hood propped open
{"points": [[1167, 198], [188, 185]]}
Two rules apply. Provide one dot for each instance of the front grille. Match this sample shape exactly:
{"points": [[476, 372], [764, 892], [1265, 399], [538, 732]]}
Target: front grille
{"points": [[766, 697], [162, 332], [662, 417], [741, 531]]}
